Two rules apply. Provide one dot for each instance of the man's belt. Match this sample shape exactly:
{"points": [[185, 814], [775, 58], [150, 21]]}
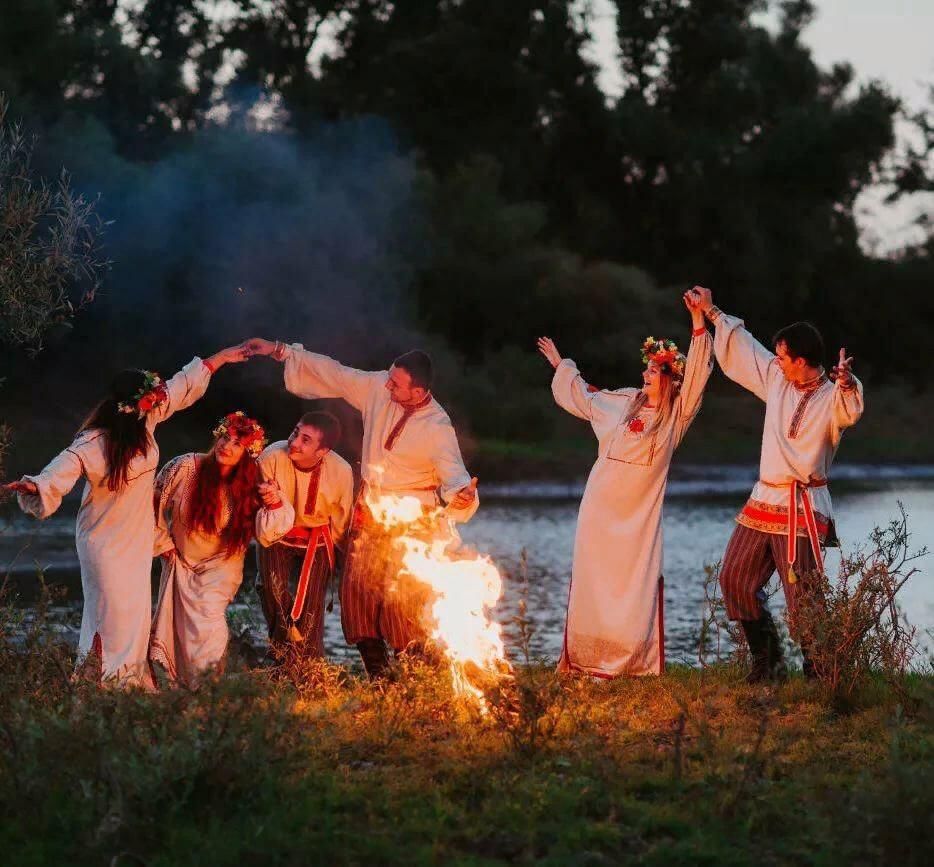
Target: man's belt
{"points": [[810, 522], [311, 539]]}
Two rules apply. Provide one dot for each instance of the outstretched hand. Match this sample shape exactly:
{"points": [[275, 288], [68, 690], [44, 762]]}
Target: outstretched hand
{"points": [[22, 487], [842, 371], [465, 496], [258, 346], [546, 346], [232, 355]]}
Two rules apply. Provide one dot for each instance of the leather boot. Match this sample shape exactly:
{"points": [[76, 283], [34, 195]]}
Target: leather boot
{"points": [[374, 656], [765, 649]]}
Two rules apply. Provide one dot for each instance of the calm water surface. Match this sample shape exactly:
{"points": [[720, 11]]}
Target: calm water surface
{"points": [[528, 530]]}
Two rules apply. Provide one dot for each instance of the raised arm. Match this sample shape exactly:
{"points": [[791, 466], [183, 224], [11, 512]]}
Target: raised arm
{"points": [[740, 356], [697, 368], [568, 386], [191, 382], [848, 402], [310, 375]]}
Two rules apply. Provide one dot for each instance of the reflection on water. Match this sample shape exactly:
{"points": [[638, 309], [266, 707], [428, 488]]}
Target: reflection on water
{"points": [[696, 532]]}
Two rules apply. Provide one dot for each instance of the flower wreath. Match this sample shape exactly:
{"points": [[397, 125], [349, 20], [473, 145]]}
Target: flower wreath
{"points": [[666, 355], [152, 394], [248, 431]]}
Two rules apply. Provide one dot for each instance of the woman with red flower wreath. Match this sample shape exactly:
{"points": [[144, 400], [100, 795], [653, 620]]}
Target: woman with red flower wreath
{"points": [[208, 508], [116, 453], [615, 619]]}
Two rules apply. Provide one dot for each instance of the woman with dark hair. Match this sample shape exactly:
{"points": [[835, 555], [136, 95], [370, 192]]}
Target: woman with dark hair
{"points": [[208, 508], [615, 621], [116, 453]]}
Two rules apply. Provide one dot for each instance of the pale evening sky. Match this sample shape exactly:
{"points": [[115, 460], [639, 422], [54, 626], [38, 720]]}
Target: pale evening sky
{"points": [[889, 40]]}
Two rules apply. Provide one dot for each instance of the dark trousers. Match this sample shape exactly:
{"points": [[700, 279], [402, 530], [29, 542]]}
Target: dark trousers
{"points": [[278, 571], [750, 559]]}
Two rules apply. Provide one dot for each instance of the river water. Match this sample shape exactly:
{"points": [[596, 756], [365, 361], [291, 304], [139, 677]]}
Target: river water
{"points": [[528, 530]]}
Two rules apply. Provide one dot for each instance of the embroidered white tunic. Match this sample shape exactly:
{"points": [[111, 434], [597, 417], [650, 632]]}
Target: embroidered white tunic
{"points": [[199, 578], [114, 534], [333, 503], [424, 459], [802, 430], [615, 617]]}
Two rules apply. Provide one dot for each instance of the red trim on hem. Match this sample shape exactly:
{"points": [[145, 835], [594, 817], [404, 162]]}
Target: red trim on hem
{"points": [[697, 332], [210, 367], [779, 520]]}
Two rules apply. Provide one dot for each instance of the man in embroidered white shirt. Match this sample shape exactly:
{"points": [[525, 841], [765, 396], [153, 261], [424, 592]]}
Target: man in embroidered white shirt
{"points": [[409, 449], [318, 484], [789, 513]]}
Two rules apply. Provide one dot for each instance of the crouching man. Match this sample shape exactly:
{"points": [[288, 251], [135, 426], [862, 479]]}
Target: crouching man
{"points": [[293, 573]]}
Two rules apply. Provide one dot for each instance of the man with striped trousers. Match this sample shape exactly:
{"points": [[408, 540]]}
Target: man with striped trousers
{"points": [[789, 514]]}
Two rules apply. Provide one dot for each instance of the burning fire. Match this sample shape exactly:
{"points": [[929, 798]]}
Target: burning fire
{"points": [[466, 588]]}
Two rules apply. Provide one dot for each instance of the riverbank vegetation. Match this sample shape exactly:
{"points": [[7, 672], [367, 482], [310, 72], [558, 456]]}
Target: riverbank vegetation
{"points": [[307, 761], [316, 765]]}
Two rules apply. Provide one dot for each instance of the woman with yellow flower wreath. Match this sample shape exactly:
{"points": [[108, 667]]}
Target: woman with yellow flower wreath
{"points": [[116, 453], [208, 509], [615, 619]]}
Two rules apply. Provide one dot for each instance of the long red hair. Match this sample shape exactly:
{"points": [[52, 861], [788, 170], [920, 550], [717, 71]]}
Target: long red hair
{"points": [[206, 500]]}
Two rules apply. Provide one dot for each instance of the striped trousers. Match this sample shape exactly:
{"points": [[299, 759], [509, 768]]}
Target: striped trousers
{"points": [[376, 601], [278, 567], [750, 559]]}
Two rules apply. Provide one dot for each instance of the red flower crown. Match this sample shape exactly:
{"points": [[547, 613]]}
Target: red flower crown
{"points": [[152, 394], [665, 354], [248, 431]]}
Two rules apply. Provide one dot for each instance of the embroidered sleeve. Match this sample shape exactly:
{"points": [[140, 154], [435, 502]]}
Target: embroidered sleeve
{"points": [[169, 489]]}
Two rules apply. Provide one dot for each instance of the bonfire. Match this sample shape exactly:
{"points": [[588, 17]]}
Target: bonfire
{"points": [[463, 588]]}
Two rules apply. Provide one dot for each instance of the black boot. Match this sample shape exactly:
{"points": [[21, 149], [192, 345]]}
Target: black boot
{"points": [[765, 648], [374, 656]]}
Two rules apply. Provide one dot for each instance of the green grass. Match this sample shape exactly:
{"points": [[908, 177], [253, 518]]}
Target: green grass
{"points": [[322, 767]]}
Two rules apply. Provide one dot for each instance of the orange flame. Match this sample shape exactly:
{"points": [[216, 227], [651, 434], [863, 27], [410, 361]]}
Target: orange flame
{"points": [[466, 587]]}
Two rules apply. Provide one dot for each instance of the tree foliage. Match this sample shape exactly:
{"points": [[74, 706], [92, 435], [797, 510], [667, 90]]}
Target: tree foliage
{"points": [[526, 201]]}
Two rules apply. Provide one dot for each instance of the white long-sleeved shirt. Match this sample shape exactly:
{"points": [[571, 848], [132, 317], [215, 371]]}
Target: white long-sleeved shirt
{"points": [[334, 495], [802, 431], [425, 457]]}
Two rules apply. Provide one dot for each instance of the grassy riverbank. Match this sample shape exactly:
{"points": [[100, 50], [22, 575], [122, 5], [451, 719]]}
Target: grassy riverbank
{"points": [[321, 767]]}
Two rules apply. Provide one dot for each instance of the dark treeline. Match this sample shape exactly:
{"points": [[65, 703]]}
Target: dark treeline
{"points": [[364, 175]]}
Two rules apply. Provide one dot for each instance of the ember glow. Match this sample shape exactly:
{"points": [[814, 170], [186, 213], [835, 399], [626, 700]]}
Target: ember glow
{"points": [[466, 588]]}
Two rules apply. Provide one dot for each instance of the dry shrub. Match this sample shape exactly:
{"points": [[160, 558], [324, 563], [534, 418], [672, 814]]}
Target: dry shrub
{"points": [[852, 625]]}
